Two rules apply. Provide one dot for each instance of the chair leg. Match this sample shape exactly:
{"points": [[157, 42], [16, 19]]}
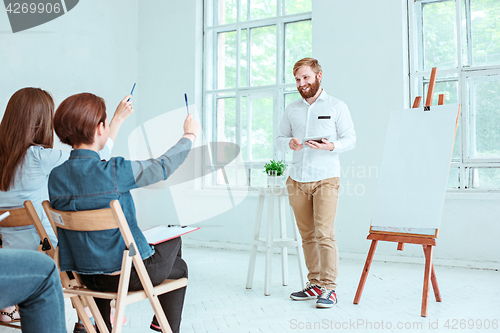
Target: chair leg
{"points": [[97, 314], [122, 292], [82, 314], [160, 315]]}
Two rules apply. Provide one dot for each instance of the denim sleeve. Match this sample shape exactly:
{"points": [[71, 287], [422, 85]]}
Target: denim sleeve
{"points": [[154, 170]]}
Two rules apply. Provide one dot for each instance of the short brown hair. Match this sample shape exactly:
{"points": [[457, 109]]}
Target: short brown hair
{"points": [[27, 122], [77, 118], [311, 62]]}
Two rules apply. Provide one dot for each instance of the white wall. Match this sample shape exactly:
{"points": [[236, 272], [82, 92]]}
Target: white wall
{"points": [[85, 50]]}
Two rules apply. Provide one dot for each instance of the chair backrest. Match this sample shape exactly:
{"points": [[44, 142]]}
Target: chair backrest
{"points": [[24, 216], [19, 217], [91, 220]]}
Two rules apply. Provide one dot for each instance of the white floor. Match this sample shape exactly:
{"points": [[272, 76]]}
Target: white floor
{"points": [[217, 300]]}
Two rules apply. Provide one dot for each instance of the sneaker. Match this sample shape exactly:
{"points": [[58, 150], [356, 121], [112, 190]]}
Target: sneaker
{"points": [[311, 291], [327, 299], [155, 327]]}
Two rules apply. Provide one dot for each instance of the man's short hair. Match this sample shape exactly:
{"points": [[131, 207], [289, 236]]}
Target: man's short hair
{"points": [[311, 62], [77, 118]]}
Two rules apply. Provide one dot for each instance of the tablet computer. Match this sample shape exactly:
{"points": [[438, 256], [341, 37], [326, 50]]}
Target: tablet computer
{"points": [[316, 138]]}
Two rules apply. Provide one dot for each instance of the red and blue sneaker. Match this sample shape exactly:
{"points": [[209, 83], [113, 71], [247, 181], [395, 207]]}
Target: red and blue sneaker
{"points": [[311, 291], [327, 299]]}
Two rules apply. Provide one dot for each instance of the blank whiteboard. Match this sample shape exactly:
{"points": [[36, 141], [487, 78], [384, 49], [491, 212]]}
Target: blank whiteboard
{"points": [[414, 170]]}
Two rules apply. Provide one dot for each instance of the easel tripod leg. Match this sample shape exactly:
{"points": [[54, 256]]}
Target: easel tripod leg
{"points": [[366, 269], [435, 286], [427, 279]]}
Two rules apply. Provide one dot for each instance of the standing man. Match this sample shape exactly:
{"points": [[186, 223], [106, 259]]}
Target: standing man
{"points": [[314, 176]]}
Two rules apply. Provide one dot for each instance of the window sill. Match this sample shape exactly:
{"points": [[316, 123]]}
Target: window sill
{"points": [[223, 192], [472, 195]]}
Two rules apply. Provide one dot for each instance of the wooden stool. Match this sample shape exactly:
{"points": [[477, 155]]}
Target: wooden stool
{"points": [[281, 194]]}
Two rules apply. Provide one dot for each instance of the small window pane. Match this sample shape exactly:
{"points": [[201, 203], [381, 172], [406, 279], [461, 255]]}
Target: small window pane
{"points": [[290, 98], [244, 10], [484, 117], [263, 55], [257, 129], [242, 176], [448, 88], [258, 178], [226, 60], [226, 120], [450, 91], [298, 45], [453, 178], [227, 11], [485, 178], [260, 9], [298, 6], [439, 35], [485, 28]]}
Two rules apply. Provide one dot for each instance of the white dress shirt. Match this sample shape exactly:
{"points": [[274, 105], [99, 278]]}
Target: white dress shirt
{"points": [[327, 117], [30, 183]]}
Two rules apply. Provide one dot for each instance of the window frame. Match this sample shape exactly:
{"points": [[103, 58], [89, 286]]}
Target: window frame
{"points": [[211, 93], [461, 74]]}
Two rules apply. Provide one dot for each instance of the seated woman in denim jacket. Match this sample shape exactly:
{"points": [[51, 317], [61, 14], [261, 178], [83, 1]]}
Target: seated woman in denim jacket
{"points": [[84, 182], [26, 159]]}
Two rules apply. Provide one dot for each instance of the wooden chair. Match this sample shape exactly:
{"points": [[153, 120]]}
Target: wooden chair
{"points": [[113, 218], [21, 217], [27, 215]]}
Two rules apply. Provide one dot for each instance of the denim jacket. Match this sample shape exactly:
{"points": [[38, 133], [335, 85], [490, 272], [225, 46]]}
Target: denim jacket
{"points": [[84, 182]]}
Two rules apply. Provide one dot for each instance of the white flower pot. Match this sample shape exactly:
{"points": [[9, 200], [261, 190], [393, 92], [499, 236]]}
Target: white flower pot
{"points": [[273, 180]]}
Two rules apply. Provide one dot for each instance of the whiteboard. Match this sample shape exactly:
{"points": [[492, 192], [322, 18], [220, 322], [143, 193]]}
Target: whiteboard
{"points": [[414, 170]]}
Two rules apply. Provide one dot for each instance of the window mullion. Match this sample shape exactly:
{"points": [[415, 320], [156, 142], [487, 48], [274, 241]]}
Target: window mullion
{"points": [[249, 64], [458, 24], [468, 25]]}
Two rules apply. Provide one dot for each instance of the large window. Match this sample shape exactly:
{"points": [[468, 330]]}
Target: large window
{"points": [[250, 49], [462, 39]]}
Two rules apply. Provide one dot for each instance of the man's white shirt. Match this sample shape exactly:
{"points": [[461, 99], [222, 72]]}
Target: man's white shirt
{"points": [[327, 117]]}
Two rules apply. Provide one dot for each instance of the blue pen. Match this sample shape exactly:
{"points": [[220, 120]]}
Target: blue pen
{"points": [[187, 107], [132, 92]]}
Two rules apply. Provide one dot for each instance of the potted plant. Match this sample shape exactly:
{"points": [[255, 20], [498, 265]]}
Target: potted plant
{"points": [[274, 170]]}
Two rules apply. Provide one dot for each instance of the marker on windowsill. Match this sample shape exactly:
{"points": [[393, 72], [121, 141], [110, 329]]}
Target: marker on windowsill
{"points": [[187, 107], [132, 92]]}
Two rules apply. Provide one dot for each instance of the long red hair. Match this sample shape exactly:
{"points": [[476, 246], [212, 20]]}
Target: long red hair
{"points": [[27, 122]]}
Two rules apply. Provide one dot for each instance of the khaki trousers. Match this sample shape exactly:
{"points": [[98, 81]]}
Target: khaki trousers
{"points": [[315, 206]]}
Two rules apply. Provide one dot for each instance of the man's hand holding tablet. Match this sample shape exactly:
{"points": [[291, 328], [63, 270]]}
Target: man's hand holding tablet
{"points": [[319, 142]]}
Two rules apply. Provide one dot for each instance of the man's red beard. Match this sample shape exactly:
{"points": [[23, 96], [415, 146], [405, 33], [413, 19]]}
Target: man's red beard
{"points": [[313, 89]]}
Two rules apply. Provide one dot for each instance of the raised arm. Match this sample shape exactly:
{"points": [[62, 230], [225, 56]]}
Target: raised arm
{"points": [[154, 170], [122, 112]]}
